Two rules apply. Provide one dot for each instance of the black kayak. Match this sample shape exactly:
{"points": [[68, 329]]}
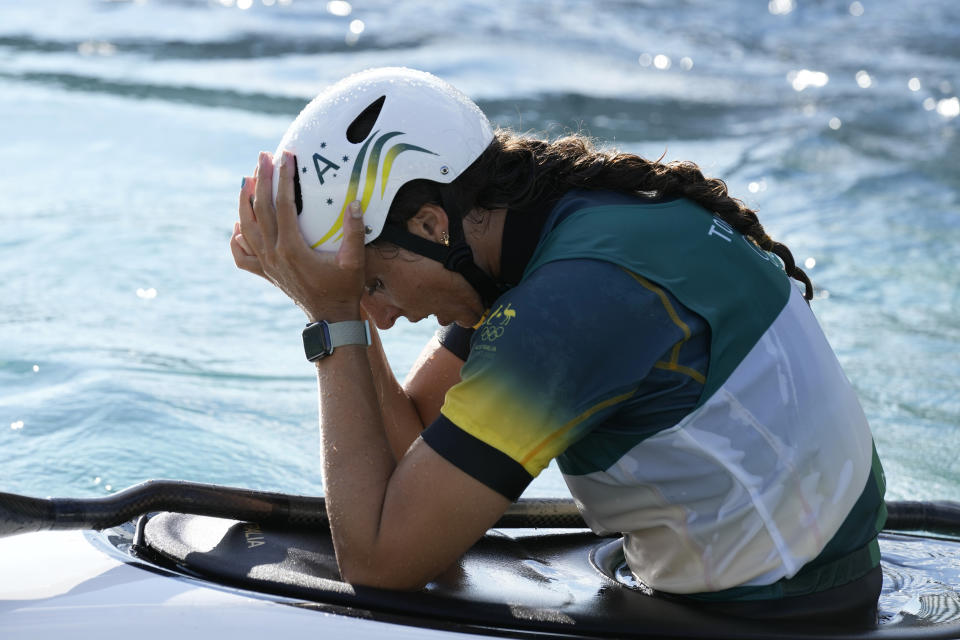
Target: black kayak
{"points": [[532, 583], [538, 574]]}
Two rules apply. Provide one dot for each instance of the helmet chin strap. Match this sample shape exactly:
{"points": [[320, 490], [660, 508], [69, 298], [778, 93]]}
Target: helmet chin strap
{"points": [[460, 259], [457, 257]]}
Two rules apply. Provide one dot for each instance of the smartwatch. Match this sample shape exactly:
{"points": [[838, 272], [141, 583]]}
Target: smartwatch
{"points": [[321, 338]]}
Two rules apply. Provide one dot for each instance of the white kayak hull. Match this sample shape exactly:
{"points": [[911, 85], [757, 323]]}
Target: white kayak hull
{"points": [[58, 585]]}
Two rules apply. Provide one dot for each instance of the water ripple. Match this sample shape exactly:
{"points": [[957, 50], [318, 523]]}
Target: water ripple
{"points": [[206, 97], [245, 46]]}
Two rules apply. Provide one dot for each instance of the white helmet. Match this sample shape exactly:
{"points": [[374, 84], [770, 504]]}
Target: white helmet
{"points": [[369, 134]]}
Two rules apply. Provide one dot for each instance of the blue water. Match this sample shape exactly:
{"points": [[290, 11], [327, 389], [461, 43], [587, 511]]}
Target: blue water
{"points": [[131, 347]]}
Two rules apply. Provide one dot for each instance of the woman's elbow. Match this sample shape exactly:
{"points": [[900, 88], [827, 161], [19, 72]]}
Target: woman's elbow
{"points": [[383, 576]]}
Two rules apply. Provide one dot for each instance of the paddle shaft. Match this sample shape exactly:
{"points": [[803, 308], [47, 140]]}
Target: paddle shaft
{"points": [[22, 514]]}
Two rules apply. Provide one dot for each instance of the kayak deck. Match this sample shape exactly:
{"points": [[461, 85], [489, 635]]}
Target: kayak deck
{"points": [[530, 583]]}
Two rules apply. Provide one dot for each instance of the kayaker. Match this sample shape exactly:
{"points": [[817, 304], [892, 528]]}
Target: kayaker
{"points": [[625, 317]]}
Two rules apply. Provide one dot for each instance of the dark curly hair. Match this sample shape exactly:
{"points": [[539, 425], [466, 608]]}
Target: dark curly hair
{"points": [[519, 172]]}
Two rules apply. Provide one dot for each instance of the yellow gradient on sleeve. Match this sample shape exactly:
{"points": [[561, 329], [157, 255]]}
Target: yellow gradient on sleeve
{"points": [[497, 413]]}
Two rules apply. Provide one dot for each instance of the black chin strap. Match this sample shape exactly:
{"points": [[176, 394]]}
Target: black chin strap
{"points": [[460, 259], [457, 257]]}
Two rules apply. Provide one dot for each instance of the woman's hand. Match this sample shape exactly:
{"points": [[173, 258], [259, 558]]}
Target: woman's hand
{"points": [[268, 243], [243, 254]]}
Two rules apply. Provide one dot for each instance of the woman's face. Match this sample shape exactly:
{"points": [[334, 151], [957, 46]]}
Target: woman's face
{"points": [[401, 283]]}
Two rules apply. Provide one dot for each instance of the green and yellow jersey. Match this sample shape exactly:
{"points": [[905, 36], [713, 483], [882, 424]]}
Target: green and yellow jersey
{"points": [[688, 395]]}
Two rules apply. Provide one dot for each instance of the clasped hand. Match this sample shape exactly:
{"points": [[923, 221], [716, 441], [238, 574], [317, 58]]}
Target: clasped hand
{"points": [[267, 241]]}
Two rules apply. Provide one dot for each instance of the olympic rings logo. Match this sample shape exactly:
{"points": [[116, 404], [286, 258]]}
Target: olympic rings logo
{"points": [[490, 333], [497, 322]]}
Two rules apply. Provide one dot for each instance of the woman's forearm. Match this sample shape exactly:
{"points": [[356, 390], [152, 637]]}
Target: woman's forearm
{"points": [[395, 525], [357, 461], [402, 422]]}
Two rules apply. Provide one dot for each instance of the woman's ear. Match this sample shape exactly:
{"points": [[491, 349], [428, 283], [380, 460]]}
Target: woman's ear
{"points": [[430, 222]]}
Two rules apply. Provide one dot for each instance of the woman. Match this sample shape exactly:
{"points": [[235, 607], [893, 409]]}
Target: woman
{"points": [[626, 317]]}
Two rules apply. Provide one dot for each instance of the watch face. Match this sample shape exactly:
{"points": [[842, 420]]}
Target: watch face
{"points": [[316, 341]]}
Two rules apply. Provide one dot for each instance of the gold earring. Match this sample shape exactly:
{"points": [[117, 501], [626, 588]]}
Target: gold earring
{"points": [[445, 238]]}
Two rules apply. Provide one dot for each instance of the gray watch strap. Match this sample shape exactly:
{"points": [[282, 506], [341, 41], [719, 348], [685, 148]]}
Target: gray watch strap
{"points": [[349, 332]]}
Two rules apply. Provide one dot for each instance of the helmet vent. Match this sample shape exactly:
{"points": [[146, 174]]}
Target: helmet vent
{"points": [[297, 192], [362, 125]]}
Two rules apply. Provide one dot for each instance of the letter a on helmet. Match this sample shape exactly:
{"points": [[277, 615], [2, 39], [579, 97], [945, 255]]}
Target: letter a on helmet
{"points": [[367, 135]]}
